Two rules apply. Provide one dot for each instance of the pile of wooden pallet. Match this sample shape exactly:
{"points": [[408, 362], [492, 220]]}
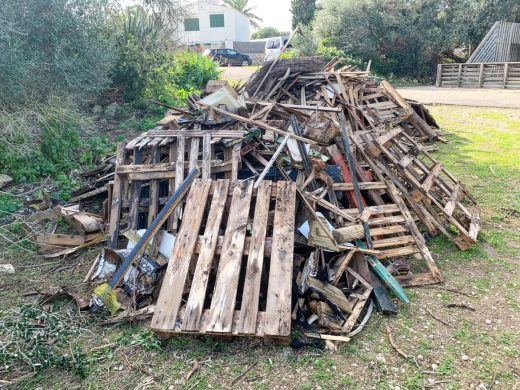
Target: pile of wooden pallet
{"points": [[317, 188]]}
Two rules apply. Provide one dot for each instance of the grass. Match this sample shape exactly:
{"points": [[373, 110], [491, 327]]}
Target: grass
{"points": [[130, 356]]}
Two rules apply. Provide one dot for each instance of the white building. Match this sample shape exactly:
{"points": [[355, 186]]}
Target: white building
{"points": [[213, 25]]}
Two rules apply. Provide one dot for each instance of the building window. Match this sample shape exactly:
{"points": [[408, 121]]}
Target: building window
{"points": [[216, 20], [191, 24]]}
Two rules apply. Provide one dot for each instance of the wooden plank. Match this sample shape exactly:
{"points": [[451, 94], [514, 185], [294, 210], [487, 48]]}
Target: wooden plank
{"points": [[135, 194], [206, 156], [231, 134], [208, 244], [169, 300], [334, 294], [172, 158], [393, 241], [454, 197], [194, 153], [179, 174], [154, 187], [398, 252], [428, 182], [115, 206], [60, 239], [251, 292], [376, 185], [278, 308], [224, 294], [235, 160]]}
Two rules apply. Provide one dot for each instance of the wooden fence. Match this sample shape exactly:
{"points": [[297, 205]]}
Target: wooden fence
{"points": [[483, 75]]}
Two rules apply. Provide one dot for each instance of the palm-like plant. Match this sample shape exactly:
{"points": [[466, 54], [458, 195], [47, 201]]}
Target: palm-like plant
{"points": [[242, 6]]}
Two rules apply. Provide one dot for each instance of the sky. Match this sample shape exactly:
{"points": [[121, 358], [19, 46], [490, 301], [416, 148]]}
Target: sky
{"points": [[274, 13]]}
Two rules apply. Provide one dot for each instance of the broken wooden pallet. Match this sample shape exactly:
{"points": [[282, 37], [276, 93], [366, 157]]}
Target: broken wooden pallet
{"points": [[150, 168], [239, 291], [436, 196]]}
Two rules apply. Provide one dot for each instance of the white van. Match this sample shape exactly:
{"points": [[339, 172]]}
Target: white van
{"points": [[273, 47]]}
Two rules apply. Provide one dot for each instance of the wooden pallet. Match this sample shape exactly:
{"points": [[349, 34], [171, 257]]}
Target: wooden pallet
{"points": [[151, 167], [392, 229], [436, 196], [251, 283]]}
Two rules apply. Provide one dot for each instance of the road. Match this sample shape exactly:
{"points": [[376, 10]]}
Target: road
{"points": [[475, 97], [507, 98]]}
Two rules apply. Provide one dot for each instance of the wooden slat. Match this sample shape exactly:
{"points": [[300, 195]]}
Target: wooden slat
{"points": [[115, 206], [154, 188], [169, 300], [172, 158], [194, 153], [428, 182], [229, 134], [206, 156], [450, 205], [394, 241], [135, 194], [251, 292], [179, 174], [224, 295], [278, 308], [208, 244], [397, 252]]}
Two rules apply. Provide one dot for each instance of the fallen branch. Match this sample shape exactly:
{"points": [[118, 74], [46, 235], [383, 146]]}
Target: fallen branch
{"points": [[243, 373], [438, 319], [394, 345]]}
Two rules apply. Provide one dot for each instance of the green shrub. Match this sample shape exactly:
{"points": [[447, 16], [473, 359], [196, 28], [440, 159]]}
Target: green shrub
{"points": [[53, 47], [147, 68], [185, 73], [45, 141]]}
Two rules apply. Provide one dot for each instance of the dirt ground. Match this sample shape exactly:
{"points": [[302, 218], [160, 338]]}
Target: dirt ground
{"points": [[473, 346], [505, 98]]}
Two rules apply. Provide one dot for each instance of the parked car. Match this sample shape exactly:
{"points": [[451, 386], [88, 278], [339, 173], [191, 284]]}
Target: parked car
{"points": [[273, 47], [228, 57]]}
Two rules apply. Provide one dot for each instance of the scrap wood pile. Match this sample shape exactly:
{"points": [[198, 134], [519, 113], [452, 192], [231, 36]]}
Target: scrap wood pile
{"points": [[303, 198]]}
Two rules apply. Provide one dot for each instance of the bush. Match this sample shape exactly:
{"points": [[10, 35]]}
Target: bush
{"points": [[45, 141], [184, 74], [53, 47], [147, 68]]}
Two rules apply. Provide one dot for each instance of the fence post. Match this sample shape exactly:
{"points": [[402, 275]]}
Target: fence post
{"points": [[459, 77], [506, 68], [439, 75], [481, 75]]}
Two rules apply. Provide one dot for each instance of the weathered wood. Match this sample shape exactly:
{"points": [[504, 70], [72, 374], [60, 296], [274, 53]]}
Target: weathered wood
{"points": [[153, 208], [224, 295], [208, 244], [169, 300], [115, 206], [333, 294], [278, 306], [251, 292], [349, 233]]}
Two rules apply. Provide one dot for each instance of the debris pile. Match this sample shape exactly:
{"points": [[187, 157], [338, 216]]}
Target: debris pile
{"points": [[316, 190]]}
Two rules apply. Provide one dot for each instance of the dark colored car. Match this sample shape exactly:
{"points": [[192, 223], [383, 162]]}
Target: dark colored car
{"points": [[228, 57]]}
